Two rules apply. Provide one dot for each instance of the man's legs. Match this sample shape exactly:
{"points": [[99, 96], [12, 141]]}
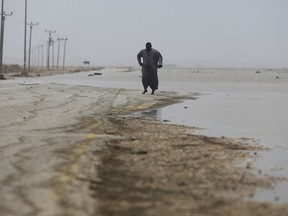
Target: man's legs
{"points": [[154, 83], [145, 85]]}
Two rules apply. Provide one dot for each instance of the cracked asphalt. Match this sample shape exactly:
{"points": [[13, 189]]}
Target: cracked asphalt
{"points": [[49, 134]]}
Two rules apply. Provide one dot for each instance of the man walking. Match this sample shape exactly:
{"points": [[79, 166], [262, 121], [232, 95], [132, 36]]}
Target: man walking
{"points": [[150, 60]]}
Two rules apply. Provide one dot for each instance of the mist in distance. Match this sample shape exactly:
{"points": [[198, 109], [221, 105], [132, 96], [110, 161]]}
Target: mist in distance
{"points": [[188, 33]]}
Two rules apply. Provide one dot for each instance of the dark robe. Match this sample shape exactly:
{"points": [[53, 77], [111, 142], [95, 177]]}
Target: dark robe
{"points": [[151, 60]]}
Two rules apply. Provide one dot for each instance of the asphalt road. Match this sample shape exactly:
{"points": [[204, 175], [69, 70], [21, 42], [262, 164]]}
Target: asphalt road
{"points": [[48, 135]]}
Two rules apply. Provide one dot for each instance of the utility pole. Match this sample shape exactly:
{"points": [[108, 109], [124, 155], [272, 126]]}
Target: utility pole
{"points": [[42, 55], [25, 41], [58, 53], [48, 46], [31, 26], [1, 50], [64, 54], [38, 58], [34, 57], [53, 43], [3, 15]]}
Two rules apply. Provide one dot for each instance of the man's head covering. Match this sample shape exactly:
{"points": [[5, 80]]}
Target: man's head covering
{"points": [[148, 46]]}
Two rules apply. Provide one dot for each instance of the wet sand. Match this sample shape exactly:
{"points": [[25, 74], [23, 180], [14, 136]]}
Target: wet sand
{"points": [[157, 169], [150, 168]]}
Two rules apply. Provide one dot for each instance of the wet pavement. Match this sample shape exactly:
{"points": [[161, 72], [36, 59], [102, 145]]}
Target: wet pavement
{"points": [[48, 135], [48, 128], [257, 116]]}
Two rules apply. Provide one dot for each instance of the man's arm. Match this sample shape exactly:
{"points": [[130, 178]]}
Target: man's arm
{"points": [[139, 58], [160, 61]]}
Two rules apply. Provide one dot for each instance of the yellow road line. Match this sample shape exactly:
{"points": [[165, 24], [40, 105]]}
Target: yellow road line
{"points": [[69, 171]]}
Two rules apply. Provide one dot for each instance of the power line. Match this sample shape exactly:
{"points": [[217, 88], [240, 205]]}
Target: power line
{"points": [[49, 43]]}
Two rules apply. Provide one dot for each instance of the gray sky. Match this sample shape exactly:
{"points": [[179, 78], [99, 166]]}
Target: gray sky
{"points": [[229, 33]]}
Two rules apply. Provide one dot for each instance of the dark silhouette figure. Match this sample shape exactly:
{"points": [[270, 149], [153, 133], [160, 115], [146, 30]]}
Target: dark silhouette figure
{"points": [[150, 60]]}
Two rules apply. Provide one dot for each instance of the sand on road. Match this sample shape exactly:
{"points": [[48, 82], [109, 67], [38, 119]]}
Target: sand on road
{"points": [[76, 150]]}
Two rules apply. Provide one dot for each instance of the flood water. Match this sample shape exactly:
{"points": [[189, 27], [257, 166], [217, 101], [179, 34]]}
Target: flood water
{"points": [[256, 110], [259, 116]]}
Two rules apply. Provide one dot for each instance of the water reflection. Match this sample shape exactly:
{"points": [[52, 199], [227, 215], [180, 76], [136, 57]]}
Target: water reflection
{"points": [[235, 116], [150, 113]]}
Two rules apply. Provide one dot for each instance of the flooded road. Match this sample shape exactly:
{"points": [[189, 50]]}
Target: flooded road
{"points": [[60, 117], [261, 117], [234, 103], [49, 136]]}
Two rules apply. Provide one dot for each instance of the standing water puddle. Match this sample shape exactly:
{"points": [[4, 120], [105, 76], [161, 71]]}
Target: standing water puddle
{"points": [[261, 116]]}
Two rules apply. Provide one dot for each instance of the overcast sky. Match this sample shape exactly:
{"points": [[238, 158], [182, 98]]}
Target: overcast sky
{"points": [[215, 33]]}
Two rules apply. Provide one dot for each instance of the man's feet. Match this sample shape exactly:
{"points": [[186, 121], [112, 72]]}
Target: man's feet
{"points": [[145, 91]]}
